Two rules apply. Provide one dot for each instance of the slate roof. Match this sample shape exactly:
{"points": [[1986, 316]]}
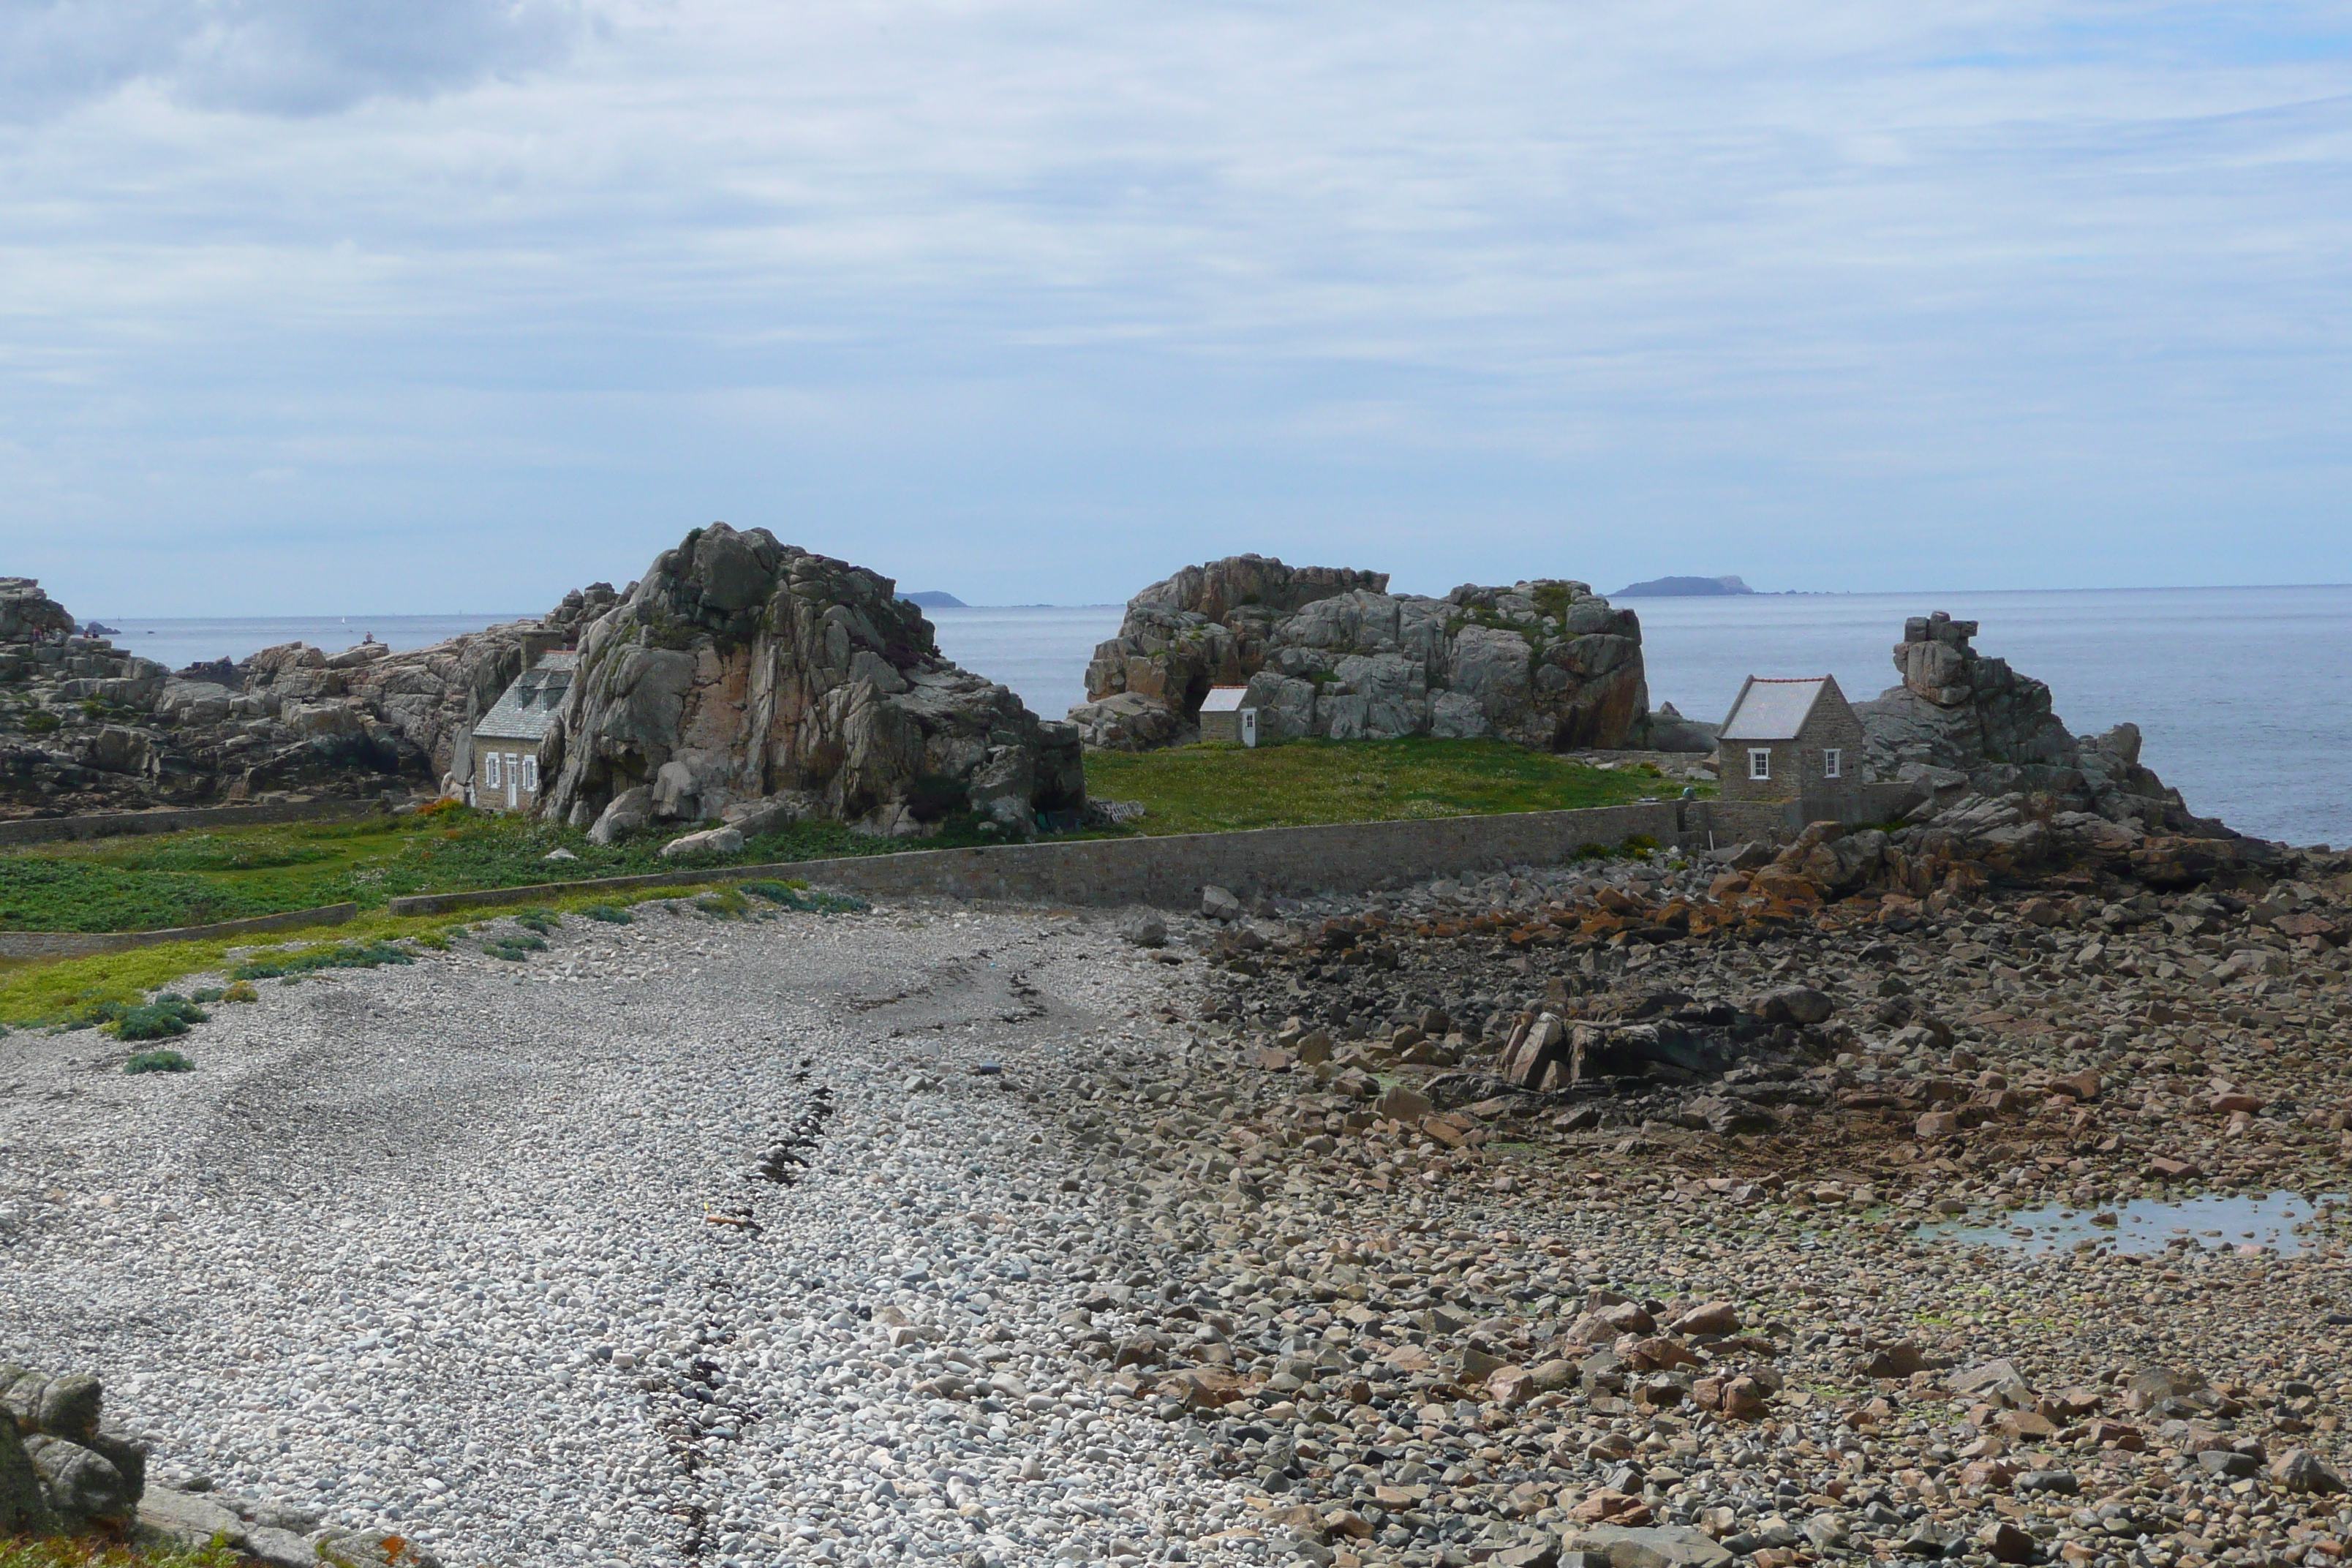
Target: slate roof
{"points": [[1773, 710], [526, 711], [1224, 699]]}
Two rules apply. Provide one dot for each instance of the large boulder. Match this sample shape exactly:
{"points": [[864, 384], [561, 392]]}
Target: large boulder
{"points": [[26, 613], [740, 668], [1962, 723], [1329, 651]]}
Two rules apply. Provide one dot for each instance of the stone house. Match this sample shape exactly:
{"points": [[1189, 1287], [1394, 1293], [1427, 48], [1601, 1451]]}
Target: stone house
{"points": [[1224, 718], [1789, 740], [504, 746]]}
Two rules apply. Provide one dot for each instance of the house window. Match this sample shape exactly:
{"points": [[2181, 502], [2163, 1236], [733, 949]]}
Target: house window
{"points": [[530, 775], [489, 770], [1833, 762], [1759, 763]]}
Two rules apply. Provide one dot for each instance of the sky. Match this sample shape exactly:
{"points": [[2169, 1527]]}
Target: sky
{"points": [[439, 306]]}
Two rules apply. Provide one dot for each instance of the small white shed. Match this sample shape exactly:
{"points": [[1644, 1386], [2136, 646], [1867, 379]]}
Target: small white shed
{"points": [[1223, 717]]}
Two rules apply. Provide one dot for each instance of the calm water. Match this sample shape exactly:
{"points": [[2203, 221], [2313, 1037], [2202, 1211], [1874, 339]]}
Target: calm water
{"points": [[2281, 1221], [179, 643], [2244, 695]]}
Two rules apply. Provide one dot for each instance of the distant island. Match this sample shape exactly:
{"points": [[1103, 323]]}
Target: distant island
{"points": [[1683, 588], [933, 599]]}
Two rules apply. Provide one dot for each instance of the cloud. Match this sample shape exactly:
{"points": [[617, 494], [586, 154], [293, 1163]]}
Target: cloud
{"points": [[1038, 298], [295, 58]]}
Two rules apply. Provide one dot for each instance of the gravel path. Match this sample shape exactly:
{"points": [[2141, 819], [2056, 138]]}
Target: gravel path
{"points": [[492, 1252]]}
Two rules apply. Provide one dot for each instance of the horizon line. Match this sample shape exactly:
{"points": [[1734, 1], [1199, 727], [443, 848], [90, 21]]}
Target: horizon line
{"points": [[494, 618]]}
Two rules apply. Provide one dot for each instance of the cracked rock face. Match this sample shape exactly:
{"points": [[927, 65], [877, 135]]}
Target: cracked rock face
{"points": [[1329, 652], [86, 726], [742, 668], [1960, 720]]}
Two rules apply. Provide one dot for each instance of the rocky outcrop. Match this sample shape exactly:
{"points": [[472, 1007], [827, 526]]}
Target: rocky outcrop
{"points": [[61, 1474], [1961, 722], [1329, 652], [742, 668], [740, 673], [85, 726]]}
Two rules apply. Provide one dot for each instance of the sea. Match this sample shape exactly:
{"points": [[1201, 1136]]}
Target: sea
{"points": [[2244, 696]]}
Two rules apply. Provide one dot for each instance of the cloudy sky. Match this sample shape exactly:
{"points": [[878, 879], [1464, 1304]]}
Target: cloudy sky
{"points": [[446, 305]]}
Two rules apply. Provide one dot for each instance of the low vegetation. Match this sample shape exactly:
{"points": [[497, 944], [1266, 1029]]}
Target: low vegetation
{"points": [[1220, 788], [194, 879], [92, 993], [81, 1551]]}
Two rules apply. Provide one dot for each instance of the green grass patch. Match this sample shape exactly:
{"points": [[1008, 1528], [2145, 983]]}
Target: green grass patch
{"points": [[1220, 788], [159, 1061], [609, 914], [85, 993], [186, 880]]}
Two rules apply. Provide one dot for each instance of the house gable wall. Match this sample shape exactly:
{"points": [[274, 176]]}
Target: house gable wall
{"points": [[1798, 767]]}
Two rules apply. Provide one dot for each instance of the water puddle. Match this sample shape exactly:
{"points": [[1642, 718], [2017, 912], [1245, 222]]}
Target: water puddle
{"points": [[2279, 1223]]}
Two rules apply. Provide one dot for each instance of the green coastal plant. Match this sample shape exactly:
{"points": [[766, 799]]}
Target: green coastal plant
{"points": [[799, 896], [159, 1061], [348, 955], [166, 1015]]}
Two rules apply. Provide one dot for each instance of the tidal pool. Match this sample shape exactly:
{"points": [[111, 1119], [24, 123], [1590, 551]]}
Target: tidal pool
{"points": [[2279, 1221]]}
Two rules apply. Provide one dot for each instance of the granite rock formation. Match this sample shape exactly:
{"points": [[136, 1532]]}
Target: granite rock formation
{"points": [[1329, 651], [1962, 723], [741, 668], [742, 677], [85, 726]]}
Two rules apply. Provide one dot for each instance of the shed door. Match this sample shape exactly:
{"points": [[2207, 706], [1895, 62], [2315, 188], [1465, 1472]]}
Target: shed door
{"points": [[514, 778]]}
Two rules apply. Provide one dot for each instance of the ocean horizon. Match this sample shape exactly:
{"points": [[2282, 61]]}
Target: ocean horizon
{"points": [[2244, 696]]}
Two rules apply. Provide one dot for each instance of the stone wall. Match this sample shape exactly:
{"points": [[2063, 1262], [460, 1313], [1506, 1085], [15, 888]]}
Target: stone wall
{"points": [[1171, 871]]}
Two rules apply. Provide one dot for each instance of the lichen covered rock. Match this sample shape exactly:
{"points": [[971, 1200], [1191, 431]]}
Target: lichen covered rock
{"points": [[1962, 722], [1329, 651], [741, 668]]}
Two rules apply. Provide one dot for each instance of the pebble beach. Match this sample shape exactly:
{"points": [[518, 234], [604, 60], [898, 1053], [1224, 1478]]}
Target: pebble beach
{"points": [[1008, 1237]]}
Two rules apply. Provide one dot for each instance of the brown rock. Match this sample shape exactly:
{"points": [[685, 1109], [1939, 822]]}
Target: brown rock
{"points": [[2006, 1541], [2082, 1086], [1710, 1318], [1894, 1361], [2300, 1470], [1403, 1105]]}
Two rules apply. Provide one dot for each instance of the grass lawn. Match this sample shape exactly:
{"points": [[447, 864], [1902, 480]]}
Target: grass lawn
{"points": [[149, 883], [50, 992], [1219, 788]]}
